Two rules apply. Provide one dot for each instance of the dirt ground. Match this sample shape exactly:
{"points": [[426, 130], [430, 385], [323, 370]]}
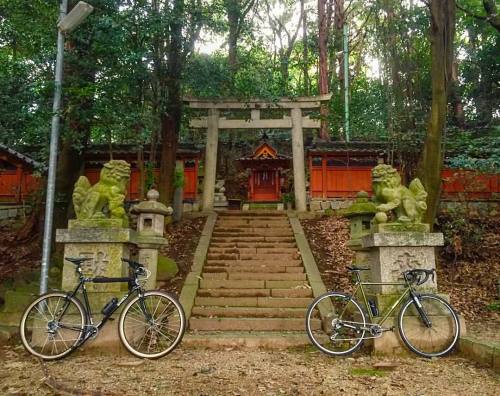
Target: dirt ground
{"points": [[237, 372], [182, 240]]}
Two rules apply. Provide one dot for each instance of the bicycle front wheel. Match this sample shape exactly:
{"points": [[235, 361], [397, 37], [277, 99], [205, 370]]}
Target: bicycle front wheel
{"points": [[439, 336], [334, 323], [52, 326], [153, 325]]}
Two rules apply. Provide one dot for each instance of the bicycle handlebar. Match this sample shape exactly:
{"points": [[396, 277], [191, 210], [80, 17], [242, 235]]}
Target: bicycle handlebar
{"points": [[419, 276]]}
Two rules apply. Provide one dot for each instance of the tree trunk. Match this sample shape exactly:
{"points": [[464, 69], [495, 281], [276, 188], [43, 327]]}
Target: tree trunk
{"points": [[323, 67], [456, 99], [305, 50], [442, 32], [232, 17], [170, 119]]}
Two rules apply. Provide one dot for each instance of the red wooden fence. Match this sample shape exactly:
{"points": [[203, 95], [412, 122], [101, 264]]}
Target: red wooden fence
{"points": [[339, 182], [17, 185], [190, 181], [325, 182]]}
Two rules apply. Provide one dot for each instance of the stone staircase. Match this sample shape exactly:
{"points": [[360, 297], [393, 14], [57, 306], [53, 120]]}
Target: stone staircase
{"points": [[253, 278]]}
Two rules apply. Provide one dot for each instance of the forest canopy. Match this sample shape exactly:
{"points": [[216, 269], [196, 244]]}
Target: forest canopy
{"points": [[133, 59]]}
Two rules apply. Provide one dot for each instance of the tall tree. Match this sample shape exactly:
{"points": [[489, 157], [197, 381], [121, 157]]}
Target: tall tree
{"points": [[284, 35], [442, 33], [324, 20], [80, 70], [236, 11], [178, 25]]}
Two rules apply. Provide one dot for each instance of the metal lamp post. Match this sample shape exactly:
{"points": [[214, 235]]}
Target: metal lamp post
{"points": [[67, 23]]}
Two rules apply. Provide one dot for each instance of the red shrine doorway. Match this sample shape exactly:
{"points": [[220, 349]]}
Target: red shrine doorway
{"points": [[265, 179]]}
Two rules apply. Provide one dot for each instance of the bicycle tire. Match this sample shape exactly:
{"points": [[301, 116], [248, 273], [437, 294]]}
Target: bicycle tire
{"points": [[155, 329], [314, 334], [28, 336], [441, 314]]}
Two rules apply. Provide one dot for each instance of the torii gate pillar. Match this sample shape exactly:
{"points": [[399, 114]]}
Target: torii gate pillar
{"points": [[210, 159], [299, 174]]}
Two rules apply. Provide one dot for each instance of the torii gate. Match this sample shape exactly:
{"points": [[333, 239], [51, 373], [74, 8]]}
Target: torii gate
{"points": [[296, 122]]}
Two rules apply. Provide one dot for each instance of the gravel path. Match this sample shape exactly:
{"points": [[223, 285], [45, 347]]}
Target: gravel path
{"points": [[237, 372]]}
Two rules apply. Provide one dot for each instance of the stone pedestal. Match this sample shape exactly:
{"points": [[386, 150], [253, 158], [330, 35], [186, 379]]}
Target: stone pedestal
{"points": [[390, 254], [105, 246]]}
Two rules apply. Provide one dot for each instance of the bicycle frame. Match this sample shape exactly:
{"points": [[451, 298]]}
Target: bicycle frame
{"points": [[360, 286], [136, 289]]}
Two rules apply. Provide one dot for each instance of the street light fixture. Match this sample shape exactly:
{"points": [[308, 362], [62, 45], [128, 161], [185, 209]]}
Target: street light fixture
{"points": [[67, 23], [76, 16]]}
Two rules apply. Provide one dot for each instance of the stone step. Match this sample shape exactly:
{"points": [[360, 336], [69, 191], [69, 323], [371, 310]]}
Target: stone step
{"points": [[250, 225], [250, 284], [251, 213], [252, 250], [250, 324], [265, 302], [287, 276], [234, 292], [250, 239], [253, 245], [250, 229], [266, 232], [290, 293], [257, 256], [245, 268], [248, 312], [254, 264], [246, 340]]}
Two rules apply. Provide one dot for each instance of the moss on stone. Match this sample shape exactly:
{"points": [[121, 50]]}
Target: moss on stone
{"points": [[167, 268]]}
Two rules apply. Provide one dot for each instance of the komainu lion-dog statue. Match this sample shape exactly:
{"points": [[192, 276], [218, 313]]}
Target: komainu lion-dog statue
{"points": [[408, 203], [105, 198]]}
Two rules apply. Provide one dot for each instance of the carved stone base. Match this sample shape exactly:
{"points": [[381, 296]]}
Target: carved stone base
{"points": [[390, 254], [105, 246]]}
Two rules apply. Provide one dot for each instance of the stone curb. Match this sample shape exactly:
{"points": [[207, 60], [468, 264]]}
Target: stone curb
{"points": [[483, 352], [190, 287], [313, 274]]}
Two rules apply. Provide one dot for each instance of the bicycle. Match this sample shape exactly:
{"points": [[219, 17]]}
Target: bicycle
{"points": [[151, 324], [427, 324]]}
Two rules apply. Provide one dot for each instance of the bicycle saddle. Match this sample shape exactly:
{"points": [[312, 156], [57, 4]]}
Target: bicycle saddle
{"points": [[77, 260], [354, 268]]}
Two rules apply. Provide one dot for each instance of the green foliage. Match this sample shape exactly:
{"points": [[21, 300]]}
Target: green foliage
{"points": [[367, 372], [477, 150], [494, 306], [288, 197], [150, 179], [179, 178], [115, 61], [167, 268]]}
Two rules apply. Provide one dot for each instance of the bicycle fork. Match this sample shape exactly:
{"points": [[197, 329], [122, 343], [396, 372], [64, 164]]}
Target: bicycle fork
{"points": [[420, 309]]}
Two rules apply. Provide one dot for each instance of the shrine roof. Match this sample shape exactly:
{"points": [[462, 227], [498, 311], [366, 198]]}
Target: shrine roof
{"points": [[18, 157], [362, 148]]}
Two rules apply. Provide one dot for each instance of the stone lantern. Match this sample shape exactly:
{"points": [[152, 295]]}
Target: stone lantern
{"points": [[150, 226], [360, 213]]}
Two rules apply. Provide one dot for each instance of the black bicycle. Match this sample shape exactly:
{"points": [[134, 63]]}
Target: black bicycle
{"points": [[152, 323]]}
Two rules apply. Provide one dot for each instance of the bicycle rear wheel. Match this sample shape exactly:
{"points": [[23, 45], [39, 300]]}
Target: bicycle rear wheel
{"points": [[433, 340], [332, 323], [152, 326], [52, 326]]}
